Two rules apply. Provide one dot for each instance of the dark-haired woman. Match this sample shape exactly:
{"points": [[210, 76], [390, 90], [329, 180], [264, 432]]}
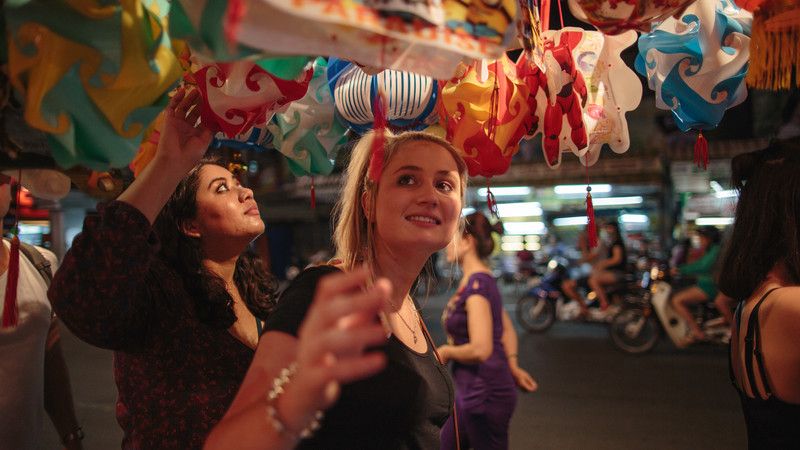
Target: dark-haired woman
{"points": [[761, 269], [611, 269], [160, 278], [706, 242], [483, 346]]}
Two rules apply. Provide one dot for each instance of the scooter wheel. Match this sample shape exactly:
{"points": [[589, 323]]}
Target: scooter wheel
{"points": [[535, 314], [633, 332]]}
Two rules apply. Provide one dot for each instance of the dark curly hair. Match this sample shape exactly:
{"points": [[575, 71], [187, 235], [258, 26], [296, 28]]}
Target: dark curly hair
{"points": [[212, 302], [767, 226]]}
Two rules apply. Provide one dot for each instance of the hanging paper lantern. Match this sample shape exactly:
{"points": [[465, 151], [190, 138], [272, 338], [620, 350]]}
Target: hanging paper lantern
{"points": [[696, 64], [240, 95], [430, 41], [563, 127], [411, 97], [612, 90], [485, 117], [308, 133], [617, 16], [774, 48], [94, 93]]}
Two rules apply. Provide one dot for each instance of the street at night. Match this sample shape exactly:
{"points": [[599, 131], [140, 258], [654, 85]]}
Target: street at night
{"points": [[591, 395]]}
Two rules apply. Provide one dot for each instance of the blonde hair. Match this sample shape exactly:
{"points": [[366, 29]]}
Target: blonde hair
{"points": [[352, 234]]}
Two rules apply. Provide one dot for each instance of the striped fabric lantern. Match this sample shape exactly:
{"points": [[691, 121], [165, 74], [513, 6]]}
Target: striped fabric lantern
{"points": [[411, 97]]}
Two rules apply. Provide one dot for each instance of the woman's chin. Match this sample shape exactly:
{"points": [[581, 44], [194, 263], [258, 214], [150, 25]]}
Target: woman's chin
{"points": [[421, 248]]}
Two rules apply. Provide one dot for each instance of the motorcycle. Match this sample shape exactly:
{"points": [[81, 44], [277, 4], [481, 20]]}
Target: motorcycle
{"points": [[543, 304], [636, 329]]}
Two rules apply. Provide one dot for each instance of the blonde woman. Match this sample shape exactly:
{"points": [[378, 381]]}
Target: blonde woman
{"points": [[388, 226]]}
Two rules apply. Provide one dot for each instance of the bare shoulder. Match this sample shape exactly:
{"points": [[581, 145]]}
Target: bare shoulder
{"points": [[785, 309], [477, 301]]}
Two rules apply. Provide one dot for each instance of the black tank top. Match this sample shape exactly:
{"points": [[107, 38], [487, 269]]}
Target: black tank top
{"points": [[771, 422], [401, 408], [623, 264]]}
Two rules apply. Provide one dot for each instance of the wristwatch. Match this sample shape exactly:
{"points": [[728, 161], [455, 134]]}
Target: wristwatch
{"points": [[72, 436]]}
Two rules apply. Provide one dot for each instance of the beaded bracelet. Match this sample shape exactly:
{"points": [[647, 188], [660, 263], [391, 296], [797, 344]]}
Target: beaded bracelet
{"points": [[278, 384]]}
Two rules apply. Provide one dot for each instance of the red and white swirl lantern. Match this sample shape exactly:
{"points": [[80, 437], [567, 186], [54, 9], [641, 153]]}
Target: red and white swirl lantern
{"points": [[240, 95]]}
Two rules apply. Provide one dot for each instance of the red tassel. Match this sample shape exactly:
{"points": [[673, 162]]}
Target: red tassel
{"points": [[701, 152], [10, 311], [236, 11], [591, 227], [491, 202], [376, 160], [313, 195]]}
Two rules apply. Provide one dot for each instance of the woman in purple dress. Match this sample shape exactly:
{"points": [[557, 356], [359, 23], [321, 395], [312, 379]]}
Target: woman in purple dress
{"points": [[482, 345]]}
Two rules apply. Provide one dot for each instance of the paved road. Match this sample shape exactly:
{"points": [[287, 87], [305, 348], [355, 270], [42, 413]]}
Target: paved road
{"points": [[591, 396]]}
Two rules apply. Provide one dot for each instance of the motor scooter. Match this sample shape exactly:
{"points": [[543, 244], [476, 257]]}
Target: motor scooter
{"points": [[544, 303], [637, 328]]}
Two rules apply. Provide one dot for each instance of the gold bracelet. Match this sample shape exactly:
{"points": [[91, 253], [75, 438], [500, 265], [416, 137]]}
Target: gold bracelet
{"points": [[278, 388], [513, 355]]}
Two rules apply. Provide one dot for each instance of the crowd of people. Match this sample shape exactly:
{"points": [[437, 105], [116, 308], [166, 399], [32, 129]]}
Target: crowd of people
{"points": [[208, 355]]}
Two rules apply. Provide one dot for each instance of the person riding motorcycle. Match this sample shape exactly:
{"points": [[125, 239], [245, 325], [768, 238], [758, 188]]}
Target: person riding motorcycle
{"points": [[705, 241], [610, 270], [569, 286]]}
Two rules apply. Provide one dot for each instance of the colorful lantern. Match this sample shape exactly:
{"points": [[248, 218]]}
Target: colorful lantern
{"points": [[360, 31], [566, 97], [774, 49], [486, 112], [696, 64], [307, 133], [617, 16], [240, 95], [411, 97], [612, 90], [91, 77]]}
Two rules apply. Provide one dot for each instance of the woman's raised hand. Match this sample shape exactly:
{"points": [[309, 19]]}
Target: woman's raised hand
{"points": [[183, 140]]}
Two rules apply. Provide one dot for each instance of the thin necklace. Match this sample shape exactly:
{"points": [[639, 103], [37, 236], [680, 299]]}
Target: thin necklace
{"points": [[413, 333]]}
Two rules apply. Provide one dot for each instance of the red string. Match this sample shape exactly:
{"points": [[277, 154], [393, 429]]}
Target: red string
{"points": [[495, 104], [544, 14], [560, 13]]}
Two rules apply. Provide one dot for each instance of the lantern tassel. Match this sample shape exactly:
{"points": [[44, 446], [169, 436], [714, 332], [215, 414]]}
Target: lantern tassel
{"points": [[701, 152], [313, 195], [10, 311], [592, 227], [376, 159]]}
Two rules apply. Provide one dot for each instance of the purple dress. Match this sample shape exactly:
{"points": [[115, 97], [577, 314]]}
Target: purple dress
{"points": [[486, 393]]}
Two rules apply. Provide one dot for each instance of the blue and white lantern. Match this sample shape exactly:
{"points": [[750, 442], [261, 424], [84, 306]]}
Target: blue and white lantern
{"points": [[411, 97]]}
